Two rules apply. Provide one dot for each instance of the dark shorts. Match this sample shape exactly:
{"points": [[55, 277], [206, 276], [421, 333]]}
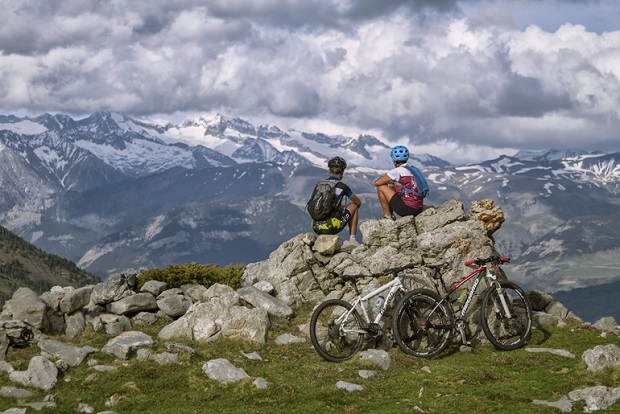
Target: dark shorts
{"points": [[333, 225], [399, 207]]}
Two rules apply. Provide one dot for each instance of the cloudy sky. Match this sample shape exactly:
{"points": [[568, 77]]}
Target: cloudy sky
{"points": [[461, 79]]}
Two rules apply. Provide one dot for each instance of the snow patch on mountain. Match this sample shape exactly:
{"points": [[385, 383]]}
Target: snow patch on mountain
{"points": [[139, 156], [155, 227], [551, 246], [23, 127], [96, 252]]}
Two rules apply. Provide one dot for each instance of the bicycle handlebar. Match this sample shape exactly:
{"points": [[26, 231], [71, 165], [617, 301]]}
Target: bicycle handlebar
{"points": [[490, 259]]}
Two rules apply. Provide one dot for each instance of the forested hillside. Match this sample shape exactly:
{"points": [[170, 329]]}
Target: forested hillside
{"points": [[24, 265]]}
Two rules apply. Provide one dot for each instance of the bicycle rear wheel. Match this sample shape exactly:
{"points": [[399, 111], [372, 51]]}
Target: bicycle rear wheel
{"points": [[422, 325], [506, 323], [336, 330]]}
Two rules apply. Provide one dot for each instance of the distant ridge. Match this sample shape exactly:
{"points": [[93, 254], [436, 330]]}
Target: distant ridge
{"points": [[593, 302]]}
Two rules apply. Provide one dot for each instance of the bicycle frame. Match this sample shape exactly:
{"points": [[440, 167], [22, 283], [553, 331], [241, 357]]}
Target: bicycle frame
{"points": [[362, 301], [479, 273], [393, 286]]}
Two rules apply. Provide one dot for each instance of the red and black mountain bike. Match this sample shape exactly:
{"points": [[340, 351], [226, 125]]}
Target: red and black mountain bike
{"points": [[424, 321]]}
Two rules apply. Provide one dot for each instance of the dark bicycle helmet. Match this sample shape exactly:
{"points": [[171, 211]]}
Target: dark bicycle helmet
{"points": [[337, 165], [399, 153]]}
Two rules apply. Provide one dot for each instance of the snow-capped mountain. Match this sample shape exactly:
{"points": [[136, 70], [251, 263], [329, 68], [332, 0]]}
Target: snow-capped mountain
{"points": [[112, 192]]}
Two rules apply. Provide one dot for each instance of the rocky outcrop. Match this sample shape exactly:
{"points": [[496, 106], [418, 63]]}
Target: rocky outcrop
{"points": [[307, 268]]}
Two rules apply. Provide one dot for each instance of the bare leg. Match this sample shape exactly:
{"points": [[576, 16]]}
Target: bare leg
{"points": [[354, 218], [385, 194]]}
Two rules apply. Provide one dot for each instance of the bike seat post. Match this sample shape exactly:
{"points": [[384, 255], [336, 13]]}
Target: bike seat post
{"points": [[438, 278]]}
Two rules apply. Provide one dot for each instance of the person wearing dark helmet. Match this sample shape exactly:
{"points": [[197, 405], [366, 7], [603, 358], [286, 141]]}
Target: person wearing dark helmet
{"points": [[391, 188], [343, 214]]}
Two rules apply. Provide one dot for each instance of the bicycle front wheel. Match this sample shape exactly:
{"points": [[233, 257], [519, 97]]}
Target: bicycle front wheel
{"points": [[506, 315], [422, 325], [336, 330]]}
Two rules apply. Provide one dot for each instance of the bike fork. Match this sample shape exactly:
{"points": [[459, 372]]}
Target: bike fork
{"points": [[503, 304]]}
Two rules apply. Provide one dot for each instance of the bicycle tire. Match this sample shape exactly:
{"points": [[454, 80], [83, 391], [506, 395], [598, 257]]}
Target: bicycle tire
{"points": [[422, 326], [326, 335], [503, 332]]}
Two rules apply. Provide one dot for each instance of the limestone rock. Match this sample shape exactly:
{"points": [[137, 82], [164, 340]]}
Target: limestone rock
{"points": [[114, 288], [75, 299], [28, 307], [41, 373], [70, 354], [260, 299], [487, 212], [154, 287], [601, 357], [133, 304], [223, 371], [126, 343], [173, 302]]}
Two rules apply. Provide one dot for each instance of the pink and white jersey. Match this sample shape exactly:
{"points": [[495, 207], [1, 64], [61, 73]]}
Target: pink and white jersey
{"points": [[404, 177]]}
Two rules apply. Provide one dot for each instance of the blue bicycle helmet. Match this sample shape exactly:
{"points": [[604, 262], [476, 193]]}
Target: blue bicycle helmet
{"points": [[399, 153]]}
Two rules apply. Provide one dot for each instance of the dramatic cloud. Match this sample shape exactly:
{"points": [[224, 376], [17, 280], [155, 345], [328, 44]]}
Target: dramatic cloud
{"points": [[460, 79]]}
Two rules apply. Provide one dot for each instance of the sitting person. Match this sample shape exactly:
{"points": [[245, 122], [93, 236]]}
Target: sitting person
{"points": [[397, 190], [341, 215]]}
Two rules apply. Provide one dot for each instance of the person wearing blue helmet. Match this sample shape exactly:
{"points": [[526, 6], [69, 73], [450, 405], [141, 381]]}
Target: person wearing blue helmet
{"points": [[391, 188]]}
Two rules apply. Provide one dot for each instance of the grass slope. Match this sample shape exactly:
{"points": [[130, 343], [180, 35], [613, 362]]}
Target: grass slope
{"points": [[485, 380]]}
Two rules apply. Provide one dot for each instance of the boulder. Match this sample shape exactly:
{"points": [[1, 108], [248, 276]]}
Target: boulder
{"points": [[327, 244], [154, 287], [75, 299], [173, 302], [72, 355], [53, 297], [607, 324], [245, 324], [127, 342], [601, 357], [41, 373], [75, 324], [28, 307], [133, 304], [114, 288], [539, 300], [222, 371], [18, 333], [260, 299], [488, 213], [194, 292], [596, 398]]}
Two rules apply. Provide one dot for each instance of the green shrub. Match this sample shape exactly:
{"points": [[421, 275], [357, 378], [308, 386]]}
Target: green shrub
{"points": [[194, 273]]}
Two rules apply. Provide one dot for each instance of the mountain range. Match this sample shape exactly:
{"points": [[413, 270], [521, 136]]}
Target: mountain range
{"points": [[112, 193]]}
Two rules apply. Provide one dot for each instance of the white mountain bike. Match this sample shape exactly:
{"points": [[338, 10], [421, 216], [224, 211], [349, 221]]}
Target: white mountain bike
{"points": [[338, 329]]}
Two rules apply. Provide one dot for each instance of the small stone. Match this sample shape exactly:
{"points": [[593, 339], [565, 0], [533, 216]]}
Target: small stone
{"points": [[347, 386]]}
